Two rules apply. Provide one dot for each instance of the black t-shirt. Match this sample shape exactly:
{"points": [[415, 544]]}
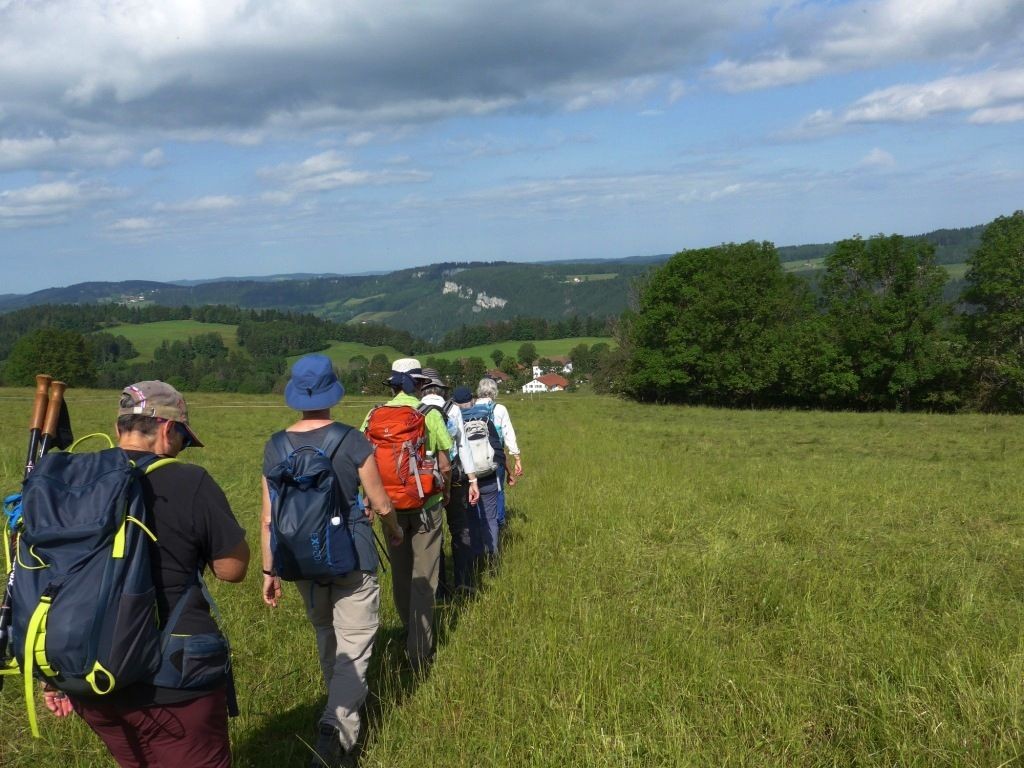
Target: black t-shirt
{"points": [[194, 525]]}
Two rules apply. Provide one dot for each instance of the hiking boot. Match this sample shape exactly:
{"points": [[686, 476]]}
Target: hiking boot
{"points": [[328, 751]]}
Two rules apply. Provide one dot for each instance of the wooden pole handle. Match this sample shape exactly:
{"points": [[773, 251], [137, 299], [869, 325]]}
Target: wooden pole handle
{"points": [[53, 409], [42, 396]]}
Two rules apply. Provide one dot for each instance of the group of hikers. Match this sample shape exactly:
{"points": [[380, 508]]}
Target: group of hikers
{"points": [[428, 456]]}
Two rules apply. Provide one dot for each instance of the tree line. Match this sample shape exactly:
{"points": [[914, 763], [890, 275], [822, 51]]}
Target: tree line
{"points": [[729, 326]]}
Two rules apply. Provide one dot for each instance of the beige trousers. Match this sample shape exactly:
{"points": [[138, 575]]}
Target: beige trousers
{"points": [[345, 614], [414, 572]]}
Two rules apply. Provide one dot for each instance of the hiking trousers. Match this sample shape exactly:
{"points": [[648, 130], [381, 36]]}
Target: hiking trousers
{"points": [[345, 614], [191, 733], [414, 572]]}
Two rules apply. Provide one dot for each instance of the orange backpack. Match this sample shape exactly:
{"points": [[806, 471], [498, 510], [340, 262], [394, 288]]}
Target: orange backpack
{"points": [[398, 436]]}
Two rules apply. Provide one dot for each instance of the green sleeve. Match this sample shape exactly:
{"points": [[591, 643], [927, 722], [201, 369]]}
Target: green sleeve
{"points": [[438, 438]]}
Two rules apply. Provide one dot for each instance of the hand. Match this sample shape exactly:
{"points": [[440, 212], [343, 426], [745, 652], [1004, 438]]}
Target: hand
{"points": [[57, 702], [519, 467], [271, 590], [474, 493], [395, 535]]}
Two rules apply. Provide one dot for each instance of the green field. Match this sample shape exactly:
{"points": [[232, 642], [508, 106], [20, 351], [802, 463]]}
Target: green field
{"points": [[148, 336], [545, 348], [591, 278], [956, 271], [715, 588]]}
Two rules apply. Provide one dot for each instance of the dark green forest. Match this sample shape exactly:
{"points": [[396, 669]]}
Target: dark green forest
{"points": [[728, 326]]}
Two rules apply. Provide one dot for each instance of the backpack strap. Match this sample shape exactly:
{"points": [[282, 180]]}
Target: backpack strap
{"points": [[336, 434], [426, 408], [282, 443]]}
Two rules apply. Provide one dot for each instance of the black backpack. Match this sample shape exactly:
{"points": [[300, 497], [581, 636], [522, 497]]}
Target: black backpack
{"points": [[310, 521], [85, 616]]}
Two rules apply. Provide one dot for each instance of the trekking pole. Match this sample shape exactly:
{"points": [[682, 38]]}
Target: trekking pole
{"points": [[381, 547], [53, 409], [35, 428], [40, 410]]}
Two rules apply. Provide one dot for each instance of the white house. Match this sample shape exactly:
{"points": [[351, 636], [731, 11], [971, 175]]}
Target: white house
{"points": [[550, 382]]}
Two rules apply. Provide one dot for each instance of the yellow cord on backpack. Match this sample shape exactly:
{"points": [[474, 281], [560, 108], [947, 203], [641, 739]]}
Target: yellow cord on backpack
{"points": [[35, 632]]}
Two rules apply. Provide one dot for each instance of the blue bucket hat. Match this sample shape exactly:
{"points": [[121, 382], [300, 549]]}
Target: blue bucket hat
{"points": [[313, 385]]}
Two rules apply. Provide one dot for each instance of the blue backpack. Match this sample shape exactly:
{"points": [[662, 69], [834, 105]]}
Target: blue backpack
{"points": [[85, 614], [310, 522]]}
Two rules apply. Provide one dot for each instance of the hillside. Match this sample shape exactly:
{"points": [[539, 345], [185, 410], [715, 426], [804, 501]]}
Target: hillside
{"points": [[432, 300], [427, 301]]}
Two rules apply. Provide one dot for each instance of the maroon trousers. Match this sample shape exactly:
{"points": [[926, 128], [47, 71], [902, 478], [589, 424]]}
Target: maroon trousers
{"points": [[192, 734]]}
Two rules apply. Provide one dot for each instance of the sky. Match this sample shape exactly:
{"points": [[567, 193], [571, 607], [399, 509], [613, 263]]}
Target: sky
{"points": [[184, 139]]}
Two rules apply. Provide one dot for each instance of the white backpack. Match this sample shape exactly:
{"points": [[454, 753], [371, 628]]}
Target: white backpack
{"points": [[479, 442]]}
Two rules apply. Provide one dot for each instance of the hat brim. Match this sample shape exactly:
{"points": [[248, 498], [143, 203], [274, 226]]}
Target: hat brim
{"points": [[298, 399], [195, 441]]}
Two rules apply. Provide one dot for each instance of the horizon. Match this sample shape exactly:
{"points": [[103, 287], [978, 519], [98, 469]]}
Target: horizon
{"points": [[174, 142]]}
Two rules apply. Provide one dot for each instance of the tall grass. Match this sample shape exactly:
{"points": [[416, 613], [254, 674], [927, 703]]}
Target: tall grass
{"points": [[680, 586]]}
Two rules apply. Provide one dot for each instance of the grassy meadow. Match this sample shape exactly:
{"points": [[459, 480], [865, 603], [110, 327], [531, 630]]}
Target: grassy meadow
{"points": [[147, 337], [680, 587]]}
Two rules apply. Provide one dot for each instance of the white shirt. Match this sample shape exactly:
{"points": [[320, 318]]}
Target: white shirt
{"points": [[504, 424], [455, 416]]}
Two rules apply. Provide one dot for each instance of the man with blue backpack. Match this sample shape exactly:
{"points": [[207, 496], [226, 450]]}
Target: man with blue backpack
{"points": [[464, 489], [317, 533], [488, 452], [169, 706]]}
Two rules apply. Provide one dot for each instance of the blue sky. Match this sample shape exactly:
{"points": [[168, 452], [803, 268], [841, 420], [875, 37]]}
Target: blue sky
{"points": [[184, 139]]}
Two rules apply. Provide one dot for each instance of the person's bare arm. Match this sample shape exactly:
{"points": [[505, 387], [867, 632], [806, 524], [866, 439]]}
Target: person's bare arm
{"points": [[233, 566], [271, 591]]}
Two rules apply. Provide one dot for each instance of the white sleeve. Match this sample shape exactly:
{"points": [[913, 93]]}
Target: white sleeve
{"points": [[508, 434], [465, 455]]}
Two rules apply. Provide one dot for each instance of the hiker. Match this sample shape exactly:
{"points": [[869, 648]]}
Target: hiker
{"points": [[487, 396], [406, 443], [464, 489], [489, 459], [343, 609], [145, 724]]}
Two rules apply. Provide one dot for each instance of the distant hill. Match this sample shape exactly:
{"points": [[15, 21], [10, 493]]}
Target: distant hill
{"points": [[952, 246], [427, 301], [432, 300]]}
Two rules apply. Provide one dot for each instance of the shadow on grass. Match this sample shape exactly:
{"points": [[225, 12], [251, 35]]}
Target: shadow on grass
{"points": [[282, 739]]}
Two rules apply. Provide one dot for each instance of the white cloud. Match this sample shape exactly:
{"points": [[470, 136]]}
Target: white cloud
{"points": [[154, 158], [206, 204], [985, 94], [133, 225], [56, 153], [1011, 113], [49, 201], [329, 171], [877, 158], [814, 39]]}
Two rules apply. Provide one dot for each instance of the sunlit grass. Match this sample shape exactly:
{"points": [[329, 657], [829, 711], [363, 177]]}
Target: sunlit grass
{"points": [[680, 586]]}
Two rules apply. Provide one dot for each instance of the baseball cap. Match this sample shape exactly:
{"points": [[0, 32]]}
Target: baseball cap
{"points": [[159, 400], [462, 395]]}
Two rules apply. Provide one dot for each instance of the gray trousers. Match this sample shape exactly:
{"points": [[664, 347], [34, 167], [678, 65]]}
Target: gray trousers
{"points": [[345, 614], [414, 571]]}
